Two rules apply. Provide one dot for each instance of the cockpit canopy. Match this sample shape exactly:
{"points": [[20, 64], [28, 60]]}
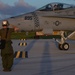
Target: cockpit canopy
{"points": [[56, 6]]}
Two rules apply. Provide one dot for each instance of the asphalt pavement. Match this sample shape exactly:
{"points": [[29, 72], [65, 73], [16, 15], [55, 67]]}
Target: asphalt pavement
{"points": [[44, 58]]}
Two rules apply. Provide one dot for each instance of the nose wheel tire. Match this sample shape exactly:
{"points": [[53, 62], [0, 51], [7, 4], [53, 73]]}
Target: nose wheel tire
{"points": [[64, 46], [60, 47]]}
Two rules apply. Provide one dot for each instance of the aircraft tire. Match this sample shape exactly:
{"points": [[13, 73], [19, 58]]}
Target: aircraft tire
{"points": [[65, 46], [60, 47]]}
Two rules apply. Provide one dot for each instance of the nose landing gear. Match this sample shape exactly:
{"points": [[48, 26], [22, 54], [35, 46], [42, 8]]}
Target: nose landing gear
{"points": [[62, 44]]}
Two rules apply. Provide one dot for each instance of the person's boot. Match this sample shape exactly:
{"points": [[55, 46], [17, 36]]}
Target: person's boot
{"points": [[6, 70]]}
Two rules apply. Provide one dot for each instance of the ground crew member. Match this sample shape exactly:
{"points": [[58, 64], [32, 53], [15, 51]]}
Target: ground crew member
{"points": [[7, 53]]}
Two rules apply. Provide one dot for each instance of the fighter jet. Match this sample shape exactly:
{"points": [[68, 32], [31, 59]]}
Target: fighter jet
{"points": [[51, 17]]}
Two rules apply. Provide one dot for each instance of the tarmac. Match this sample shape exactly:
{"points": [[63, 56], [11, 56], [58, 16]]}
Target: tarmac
{"points": [[44, 58]]}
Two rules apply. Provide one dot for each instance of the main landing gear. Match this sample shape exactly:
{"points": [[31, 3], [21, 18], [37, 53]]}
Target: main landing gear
{"points": [[62, 45]]}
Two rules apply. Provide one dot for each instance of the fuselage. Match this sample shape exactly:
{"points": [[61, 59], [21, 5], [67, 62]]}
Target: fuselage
{"points": [[43, 20]]}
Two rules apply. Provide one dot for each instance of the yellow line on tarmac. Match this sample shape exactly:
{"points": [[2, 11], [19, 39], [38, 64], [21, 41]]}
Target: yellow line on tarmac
{"points": [[23, 54], [18, 54]]}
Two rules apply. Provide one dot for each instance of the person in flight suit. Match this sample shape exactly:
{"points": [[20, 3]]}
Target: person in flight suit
{"points": [[7, 53], [55, 7]]}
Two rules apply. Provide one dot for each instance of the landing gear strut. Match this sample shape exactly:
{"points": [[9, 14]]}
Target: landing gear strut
{"points": [[62, 44]]}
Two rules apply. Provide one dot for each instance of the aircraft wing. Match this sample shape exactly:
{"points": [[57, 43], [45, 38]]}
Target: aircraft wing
{"points": [[71, 17]]}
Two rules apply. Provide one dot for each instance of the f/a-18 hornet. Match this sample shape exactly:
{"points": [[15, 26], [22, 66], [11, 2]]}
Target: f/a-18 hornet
{"points": [[49, 18]]}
